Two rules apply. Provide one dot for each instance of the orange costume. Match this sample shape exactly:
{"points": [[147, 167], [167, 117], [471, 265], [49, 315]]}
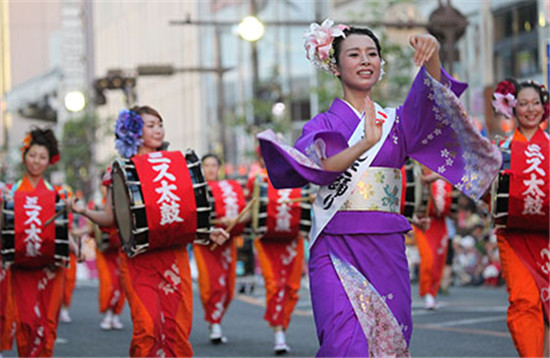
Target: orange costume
{"points": [[37, 295], [432, 243], [70, 281], [111, 295], [217, 266], [280, 256], [525, 253]]}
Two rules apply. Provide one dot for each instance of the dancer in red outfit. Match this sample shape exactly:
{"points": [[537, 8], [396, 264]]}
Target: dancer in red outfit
{"points": [[280, 254], [523, 242], [36, 283], [157, 283], [217, 265], [432, 240]]}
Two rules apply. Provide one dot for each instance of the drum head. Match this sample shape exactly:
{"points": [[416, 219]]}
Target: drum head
{"points": [[121, 203]]}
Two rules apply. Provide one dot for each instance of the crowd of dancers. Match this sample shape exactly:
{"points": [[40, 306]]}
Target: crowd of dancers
{"points": [[362, 184]]}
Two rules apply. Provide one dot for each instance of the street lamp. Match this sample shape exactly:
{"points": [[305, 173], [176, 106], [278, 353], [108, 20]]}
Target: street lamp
{"points": [[251, 29], [75, 101]]}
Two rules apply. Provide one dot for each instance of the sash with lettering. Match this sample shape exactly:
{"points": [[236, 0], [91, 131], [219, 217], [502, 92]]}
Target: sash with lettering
{"points": [[331, 197], [34, 243], [528, 203], [283, 218], [228, 201], [170, 204]]}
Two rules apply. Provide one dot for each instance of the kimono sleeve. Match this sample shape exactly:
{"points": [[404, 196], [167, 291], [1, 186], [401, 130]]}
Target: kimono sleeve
{"points": [[288, 167], [439, 134]]}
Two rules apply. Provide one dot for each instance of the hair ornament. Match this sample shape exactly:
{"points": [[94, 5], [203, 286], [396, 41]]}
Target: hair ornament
{"points": [[128, 132], [318, 44], [505, 99]]}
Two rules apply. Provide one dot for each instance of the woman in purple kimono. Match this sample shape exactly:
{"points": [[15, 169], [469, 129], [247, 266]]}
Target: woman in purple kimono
{"points": [[359, 276]]}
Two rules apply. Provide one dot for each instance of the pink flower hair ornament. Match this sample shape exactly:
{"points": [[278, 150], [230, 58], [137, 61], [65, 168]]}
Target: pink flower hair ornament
{"points": [[505, 99], [318, 44], [504, 104]]}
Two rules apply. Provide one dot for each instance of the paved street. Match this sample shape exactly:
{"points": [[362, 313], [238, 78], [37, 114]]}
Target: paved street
{"points": [[470, 323]]}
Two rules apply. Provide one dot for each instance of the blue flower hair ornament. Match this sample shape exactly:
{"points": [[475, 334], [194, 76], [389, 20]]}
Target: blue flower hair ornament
{"points": [[128, 132]]}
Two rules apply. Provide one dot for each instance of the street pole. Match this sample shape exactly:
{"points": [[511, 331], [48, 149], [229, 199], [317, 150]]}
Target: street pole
{"points": [[220, 90], [254, 64]]}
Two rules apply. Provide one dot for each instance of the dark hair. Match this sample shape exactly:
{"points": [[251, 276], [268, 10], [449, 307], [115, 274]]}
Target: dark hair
{"points": [[337, 43], [146, 110], [540, 89], [211, 155], [46, 138]]}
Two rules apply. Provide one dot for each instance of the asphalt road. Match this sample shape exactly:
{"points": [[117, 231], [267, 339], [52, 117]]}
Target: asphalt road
{"points": [[470, 322]]}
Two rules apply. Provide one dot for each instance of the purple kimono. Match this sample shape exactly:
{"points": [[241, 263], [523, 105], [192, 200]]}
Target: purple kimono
{"points": [[359, 277]]}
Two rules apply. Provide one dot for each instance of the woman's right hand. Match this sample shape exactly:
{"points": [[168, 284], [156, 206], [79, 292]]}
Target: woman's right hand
{"points": [[373, 127]]}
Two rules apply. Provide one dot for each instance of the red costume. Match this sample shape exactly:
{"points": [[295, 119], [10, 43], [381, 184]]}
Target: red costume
{"points": [[217, 266], [523, 244], [37, 292], [280, 251], [432, 243]]}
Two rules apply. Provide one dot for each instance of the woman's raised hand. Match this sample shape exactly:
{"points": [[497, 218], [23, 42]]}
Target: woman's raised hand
{"points": [[373, 127], [425, 46]]}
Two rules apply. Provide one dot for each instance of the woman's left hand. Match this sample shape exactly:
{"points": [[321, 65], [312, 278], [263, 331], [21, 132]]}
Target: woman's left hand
{"points": [[425, 46]]}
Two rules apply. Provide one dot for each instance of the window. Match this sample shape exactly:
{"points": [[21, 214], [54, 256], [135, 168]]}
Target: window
{"points": [[516, 41]]}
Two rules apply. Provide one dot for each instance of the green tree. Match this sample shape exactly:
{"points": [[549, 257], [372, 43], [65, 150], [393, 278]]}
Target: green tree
{"points": [[77, 146]]}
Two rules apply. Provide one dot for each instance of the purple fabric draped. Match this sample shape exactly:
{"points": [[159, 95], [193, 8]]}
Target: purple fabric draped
{"points": [[431, 127]]}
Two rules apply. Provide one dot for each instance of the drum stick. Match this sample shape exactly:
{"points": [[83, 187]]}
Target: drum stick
{"points": [[298, 200], [55, 216], [237, 219]]}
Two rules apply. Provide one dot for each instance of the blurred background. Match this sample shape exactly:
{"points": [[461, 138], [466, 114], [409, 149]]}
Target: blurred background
{"points": [[219, 71]]}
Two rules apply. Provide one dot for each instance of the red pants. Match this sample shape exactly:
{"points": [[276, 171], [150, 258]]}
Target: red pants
{"points": [[281, 263], [158, 287], [432, 246], [216, 278], [70, 280], [37, 298], [525, 314], [111, 294]]}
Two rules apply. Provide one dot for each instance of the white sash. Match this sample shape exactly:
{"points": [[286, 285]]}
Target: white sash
{"points": [[331, 197]]}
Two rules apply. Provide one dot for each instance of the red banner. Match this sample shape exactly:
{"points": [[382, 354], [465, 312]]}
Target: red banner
{"points": [[34, 243], [169, 198], [528, 203], [283, 216], [228, 201]]}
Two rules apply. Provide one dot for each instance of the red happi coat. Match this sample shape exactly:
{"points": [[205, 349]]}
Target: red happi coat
{"points": [[217, 266]]}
